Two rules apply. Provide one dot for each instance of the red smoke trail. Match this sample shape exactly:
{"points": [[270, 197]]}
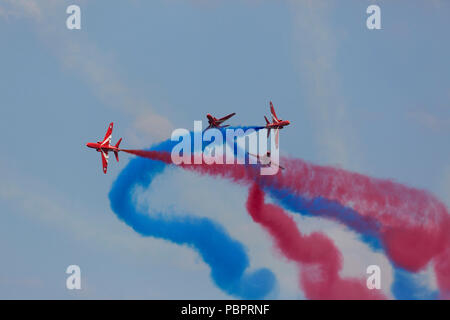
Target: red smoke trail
{"points": [[414, 224], [318, 259]]}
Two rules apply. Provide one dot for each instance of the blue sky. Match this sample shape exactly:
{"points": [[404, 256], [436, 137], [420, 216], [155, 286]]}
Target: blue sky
{"points": [[376, 102]]}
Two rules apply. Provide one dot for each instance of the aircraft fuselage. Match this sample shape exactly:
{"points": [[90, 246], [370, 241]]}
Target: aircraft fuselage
{"points": [[98, 147], [278, 125]]}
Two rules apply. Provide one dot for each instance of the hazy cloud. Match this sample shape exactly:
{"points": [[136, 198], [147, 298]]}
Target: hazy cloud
{"points": [[430, 121], [316, 45], [86, 60]]}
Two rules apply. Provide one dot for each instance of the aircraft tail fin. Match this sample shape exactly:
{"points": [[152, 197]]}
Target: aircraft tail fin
{"points": [[118, 143], [116, 153]]}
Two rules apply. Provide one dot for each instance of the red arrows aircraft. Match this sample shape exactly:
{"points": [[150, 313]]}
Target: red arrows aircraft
{"points": [[275, 124], [216, 123], [266, 160], [105, 146]]}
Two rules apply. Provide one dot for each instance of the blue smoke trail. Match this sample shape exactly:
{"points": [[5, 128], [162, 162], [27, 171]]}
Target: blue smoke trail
{"points": [[226, 257], [368, 229], [406, 286]]}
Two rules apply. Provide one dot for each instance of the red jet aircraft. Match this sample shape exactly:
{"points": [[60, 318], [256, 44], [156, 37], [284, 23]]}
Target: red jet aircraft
{"points": [[216, 123], [275, 124], [266, 160], [105, 146]]}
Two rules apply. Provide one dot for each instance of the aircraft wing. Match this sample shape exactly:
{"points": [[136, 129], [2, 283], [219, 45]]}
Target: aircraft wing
{"points": [[264, 160], [226, 117], [208, 127], [253, 155], [276, 164], [272, 110], [107, 138], [104, 160]]}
